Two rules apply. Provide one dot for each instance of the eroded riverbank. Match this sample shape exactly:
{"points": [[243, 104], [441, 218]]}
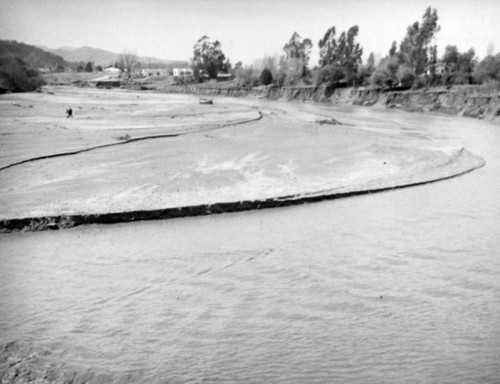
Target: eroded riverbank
{"points": [[470, 101]]}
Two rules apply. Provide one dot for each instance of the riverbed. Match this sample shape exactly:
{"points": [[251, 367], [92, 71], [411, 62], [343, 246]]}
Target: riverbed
{"points": [[400, 286], [139, 155]]}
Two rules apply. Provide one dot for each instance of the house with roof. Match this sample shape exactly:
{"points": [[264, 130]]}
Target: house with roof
{"points": [[224, 76], [153, 72], [112, 71], [440, 68], [182, 72]]}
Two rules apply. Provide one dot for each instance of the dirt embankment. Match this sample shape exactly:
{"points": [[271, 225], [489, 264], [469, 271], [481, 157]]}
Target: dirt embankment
{"points": [[470, 101], [462, 102]]}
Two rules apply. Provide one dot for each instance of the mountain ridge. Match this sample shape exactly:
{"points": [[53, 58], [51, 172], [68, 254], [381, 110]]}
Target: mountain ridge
{"points": [[34, 56], [106, 58], [70, 57]]}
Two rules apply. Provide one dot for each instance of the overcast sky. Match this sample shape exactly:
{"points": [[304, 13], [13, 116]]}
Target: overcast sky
{"points": [[247, 29]]}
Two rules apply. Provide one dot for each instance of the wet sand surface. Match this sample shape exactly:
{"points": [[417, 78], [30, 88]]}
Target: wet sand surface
{"points": [[127, 151]]}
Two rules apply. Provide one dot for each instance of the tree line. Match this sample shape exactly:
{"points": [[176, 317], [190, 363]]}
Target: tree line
{"points": [[411, 63]]}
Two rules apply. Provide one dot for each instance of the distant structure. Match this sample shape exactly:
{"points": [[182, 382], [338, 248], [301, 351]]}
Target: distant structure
{"points": [[152, 72], [112, 71], [224, 76], [44, 70], [440, 69], [181, 72], [106, 82]]}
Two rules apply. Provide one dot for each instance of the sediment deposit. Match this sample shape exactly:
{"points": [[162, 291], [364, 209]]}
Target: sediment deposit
{"points": [[136, 156]]}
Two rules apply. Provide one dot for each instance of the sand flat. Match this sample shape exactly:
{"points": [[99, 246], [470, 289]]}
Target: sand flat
{"points": [[129, 151]]}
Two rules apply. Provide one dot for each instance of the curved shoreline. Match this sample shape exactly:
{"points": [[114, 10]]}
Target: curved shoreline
{"points": [[133, 140], [287, 158], [34, 224]]}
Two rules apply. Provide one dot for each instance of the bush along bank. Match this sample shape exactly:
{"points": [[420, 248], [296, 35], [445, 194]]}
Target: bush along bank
{"points": [[17, 76]]}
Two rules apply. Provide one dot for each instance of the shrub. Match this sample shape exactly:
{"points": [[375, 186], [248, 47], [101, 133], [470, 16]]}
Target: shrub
{"points": [[380, 78], [488, 68], [184, 80], [364, 74], [386, 74], [491, 85], [246, 76], [406, 76], [266, 77], [17, 76], [420, 82], [281, 79], [331, 74], [293, 71]]}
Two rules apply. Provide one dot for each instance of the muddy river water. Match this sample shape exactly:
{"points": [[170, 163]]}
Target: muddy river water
{"points": [[400, 286]]}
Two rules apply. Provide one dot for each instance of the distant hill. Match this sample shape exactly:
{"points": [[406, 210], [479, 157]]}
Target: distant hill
{"points": [[85, 54], [47, 59], [106, 58], [34, 56]]}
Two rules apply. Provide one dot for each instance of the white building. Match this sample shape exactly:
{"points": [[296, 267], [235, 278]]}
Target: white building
{"points": [[178, 72], [149, 72], [112, 71]]}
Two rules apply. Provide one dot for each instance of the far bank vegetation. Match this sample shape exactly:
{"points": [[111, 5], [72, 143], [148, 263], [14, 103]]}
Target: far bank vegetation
{"points": [[411, 63]]}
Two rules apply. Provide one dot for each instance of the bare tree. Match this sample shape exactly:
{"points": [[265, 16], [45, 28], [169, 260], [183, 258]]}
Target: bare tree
{"points": [[128, 62]]}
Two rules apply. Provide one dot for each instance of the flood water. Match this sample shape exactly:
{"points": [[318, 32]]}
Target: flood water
{"points": [[401, 286]]}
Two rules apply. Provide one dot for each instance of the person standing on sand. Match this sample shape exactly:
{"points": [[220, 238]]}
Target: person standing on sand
{"points": [[69, 113]]}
